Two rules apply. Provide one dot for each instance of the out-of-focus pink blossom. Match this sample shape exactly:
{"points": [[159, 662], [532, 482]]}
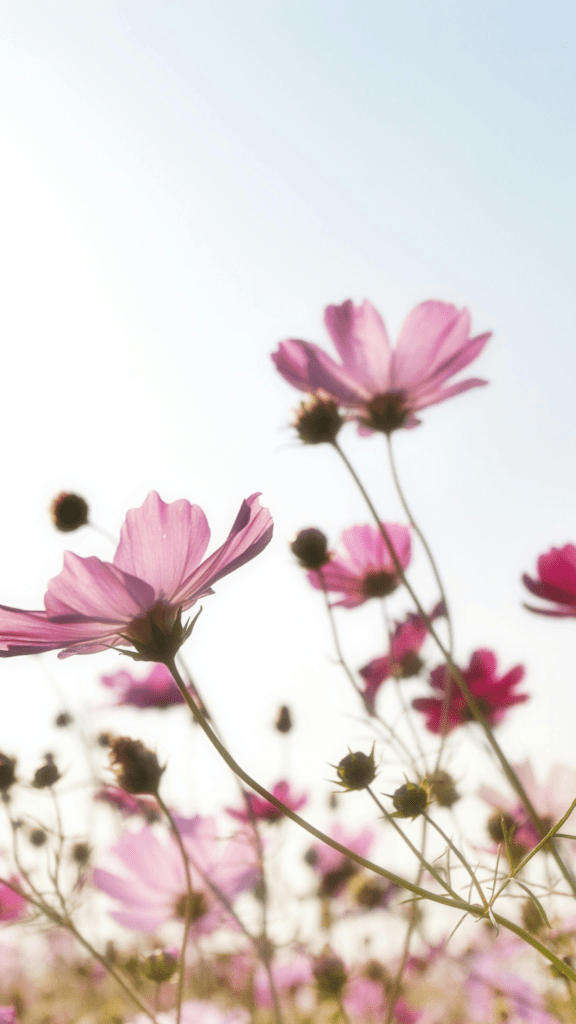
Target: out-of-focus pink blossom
{"points": [[364, 1000], [403, 659], [8, 1015], [290, 976], [333, 868], [155, 690], [198, 1011], [550, 799], [13, 906], [128, 804], [494, 695], [363, 567], [556, 582], [137, 600], [494, 991], [383, 388], [156, 892], [262, 810]]}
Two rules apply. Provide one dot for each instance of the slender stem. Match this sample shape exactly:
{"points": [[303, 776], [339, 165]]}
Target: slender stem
{"points": [[454, 671], [188, 909], [417, 853], [516, 870], [395, 989], [460, 856], [448, 901]]}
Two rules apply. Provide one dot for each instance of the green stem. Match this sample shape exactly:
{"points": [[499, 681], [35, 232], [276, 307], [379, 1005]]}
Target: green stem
{"points": [[187, 913]]}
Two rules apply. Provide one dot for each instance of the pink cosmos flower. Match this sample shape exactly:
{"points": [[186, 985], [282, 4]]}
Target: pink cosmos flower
{"points": [[494, 991], [363, 568], [382, 388], [334, 868], [7, 1015], [12, 905], [495, 696], [556, 582], [551, 800], [157, 892], [156, 690], [128, 804], [403, 660], [262, 810], [137, 600], [290, 975]]}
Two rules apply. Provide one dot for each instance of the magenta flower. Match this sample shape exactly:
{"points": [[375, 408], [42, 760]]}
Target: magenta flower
{"points": [[7, 1015], [494, 696], [556, 582], [13, 906], [363, 568], [382, 388], [137, 600], [128, 804], [403, 660], [157, 892], [550, 799], [156, 690], [262, 810]]}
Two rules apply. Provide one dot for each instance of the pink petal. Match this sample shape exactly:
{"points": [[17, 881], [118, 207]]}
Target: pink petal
{"points": [[431, 333], [23, 632], [436, 395], [359, 334], [308, 367], [96, 590], [147, 920], [157, 865], [163, 544], [131, 893]]}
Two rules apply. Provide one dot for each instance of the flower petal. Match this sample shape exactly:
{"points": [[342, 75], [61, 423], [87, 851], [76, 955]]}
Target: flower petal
{"points": [[359, 334]]}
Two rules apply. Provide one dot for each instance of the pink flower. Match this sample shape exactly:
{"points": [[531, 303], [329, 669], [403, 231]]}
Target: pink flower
{"points": [[198, 1011], [12, 905], [556, 582], [290, 975], [157, 892], [382, 388], [262, 810], [137, 601], [494, 696], [7, 1015], [403, 660], [128, 804], [156, 690], [334, 868], [363, 568], [550, 799]]}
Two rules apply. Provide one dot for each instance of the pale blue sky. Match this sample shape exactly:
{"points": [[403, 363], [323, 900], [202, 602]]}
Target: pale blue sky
{"points": [[185, 184]]}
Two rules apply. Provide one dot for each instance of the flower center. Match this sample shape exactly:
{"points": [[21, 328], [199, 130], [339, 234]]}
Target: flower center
{"points": [[387, 412], [379, 584], [193, 902], [158, 634]]}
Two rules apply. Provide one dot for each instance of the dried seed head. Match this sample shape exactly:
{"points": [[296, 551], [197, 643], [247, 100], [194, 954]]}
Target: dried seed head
{"points": [[69, 512]]}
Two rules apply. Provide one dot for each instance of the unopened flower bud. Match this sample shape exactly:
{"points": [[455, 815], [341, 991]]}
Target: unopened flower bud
{"points": [[160, 966], [410, 800], [330, 975], [310, 547], [7, 772], [356, 770], [501, 826], [37, 837], [69, 512], [63, 720], [137, 768], [318, 421], [80, 854], [284, 720], [531, 917], [47, 774], [442, 788]]}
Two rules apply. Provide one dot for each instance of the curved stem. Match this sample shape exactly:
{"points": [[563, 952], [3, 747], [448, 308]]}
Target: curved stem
{"points": [[474, 909], [187, 913], [456, 673]]}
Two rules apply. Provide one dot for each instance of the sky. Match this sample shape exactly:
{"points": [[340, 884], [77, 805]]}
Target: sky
{"points": [[183, 186]]}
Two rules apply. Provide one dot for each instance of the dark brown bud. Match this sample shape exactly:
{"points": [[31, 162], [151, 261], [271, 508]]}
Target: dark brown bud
{"points": [[104, 739], [356, 770], [137, 768], [442, 788], [283, 722], [69, 512], [37, 837], [500, 824], [330, 975], [531, 917], [7, 772], [80, 854], [47, 774], [159, 967], [410, 800], [318, 421], [63, 719], [310, 547]]}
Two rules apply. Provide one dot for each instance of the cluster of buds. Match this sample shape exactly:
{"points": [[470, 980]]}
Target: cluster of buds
{"points": [[137, 768]]}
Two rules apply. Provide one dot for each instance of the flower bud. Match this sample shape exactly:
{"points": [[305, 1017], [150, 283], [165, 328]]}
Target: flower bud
{"points": [[160, 966], [284, 720], [7, 772], [80, 854], [137, 768], [69, 512], [310, 547], [37, 837], [47, 774], [318, 421], [410, 800], [330, 975], [442, 788], [63, 720], [356, 770]]}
